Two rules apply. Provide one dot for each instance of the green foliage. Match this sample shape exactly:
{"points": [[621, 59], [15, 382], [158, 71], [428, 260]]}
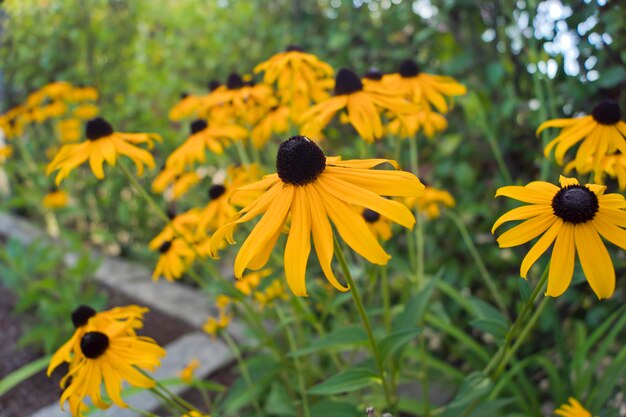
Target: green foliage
{"points": [[47, 289]]}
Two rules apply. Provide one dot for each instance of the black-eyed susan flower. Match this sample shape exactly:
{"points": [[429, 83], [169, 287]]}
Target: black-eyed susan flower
{"points": [[301, 78], [431, 201], [379, 226], [194, 413], [204, 137], [187, 107], [420, 87], [174, 259], [573, 217], [601, 133], [69, 130], [98, 320], [180, 225], [78, 94], [56, 198], [6, 151], [613, 165], [86, 111], [186, 374], [274, 291], [572, 409], [174, 181], [274, 122], [102, 144], [214, 325], [363, 106], [423, 119], [248, 283], [314, 189], [111, 356]]}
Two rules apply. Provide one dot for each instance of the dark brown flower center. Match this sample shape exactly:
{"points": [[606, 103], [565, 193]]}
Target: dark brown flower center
{"points": [[299, 161], [94, 344], [374, 74], [292, 48], [347, 82], [607, 113], [234, 81], [165, 246], [575, 204], [81, 315], [197, 126], [98, 128], [216, 191], [214, 85], [370, 216], [409, 68]]}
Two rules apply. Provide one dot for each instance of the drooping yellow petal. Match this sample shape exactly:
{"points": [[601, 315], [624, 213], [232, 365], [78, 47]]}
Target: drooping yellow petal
{"points": [[298, 243], [595, 260], [526, 231], [561, 262], [540, 247], [521, 213]]}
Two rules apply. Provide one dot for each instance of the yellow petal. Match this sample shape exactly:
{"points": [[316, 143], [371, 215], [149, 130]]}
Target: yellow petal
{"points": [[595, 260], [298, 243], [521, 213], [540, 247], [561, 262], [526, 231]]}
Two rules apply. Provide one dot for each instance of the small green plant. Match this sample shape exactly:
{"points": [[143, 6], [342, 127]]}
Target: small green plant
{"points": [[47, 289]]}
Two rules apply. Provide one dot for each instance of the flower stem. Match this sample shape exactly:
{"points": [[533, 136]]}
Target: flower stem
{"points": [[296, 360], [419, 224], [241, 152], [366, 323], [242, 367], [471, 246]]}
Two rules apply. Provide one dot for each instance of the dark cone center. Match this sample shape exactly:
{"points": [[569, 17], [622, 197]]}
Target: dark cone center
{"points": [[370, 216], [165, 246], [216, 191], [81, 315], [214, 85], [197, 126], [234, 81], [347, 82], [409, 68], [98, 128], [94, 344], [607, 113], [374, 74], [299, 161], [575, 204], [294, 48]]}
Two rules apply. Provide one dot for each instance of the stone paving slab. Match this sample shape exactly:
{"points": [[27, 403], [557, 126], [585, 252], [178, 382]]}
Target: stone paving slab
{"points": [[212, 355]]}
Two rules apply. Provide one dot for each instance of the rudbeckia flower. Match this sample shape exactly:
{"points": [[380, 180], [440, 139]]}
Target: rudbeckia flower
{"points": [[86, 111], [174, 180], [56, 199], [69, 130], [430, 203], [363, 107], [274, 291], [83, 315], [175, 258], [420, 87], [378, 225], [102, 144], [82, 94], [613, 165], [250, 281], [110, 355], [186, 374], [573, 409], [180, 224], [313, 189], [203, 137], [573, 217], [188, 106], [601, 133], [301, 78], [424, 119], [274, 122]]}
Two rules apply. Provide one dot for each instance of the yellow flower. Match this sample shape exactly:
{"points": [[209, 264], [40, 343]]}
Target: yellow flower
{"points": [[186, 374], [430, 203], [69, 130], [420, 87], [188, 106], [601, 133], [86, 111], [573, 409], [6, 152], [82, 94], [176, 180], [83, 315], [378, 225], [574, 216], [57, 90], [214, 325], [109, 355], [313, 188], [250, 281], [56, 199], [274, 291], [204, 137], [363, 106], [613, 165], [426, 120], [300, 77], [276, 121], [102, 144], [195, 413], [175, 258], [183, 224]]}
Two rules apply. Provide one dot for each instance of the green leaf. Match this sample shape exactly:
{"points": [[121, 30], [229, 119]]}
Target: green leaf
{"points": [[612, 76], [344, 337], [475, 386], [395, 341], [328, 408], [496, 328], [414, 310], [278, 401], [350, 380], [23, 373]]}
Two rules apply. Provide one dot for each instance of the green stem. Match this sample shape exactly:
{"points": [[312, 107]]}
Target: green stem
{"points": [[296, 360], [419, 227], [242, 367], [484, 273], [423, 358], [141, 412], [384, 282], [169, 403], [241, 152], [366, 323]]}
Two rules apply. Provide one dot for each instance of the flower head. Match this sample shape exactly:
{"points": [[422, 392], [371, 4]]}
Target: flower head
{"points": [[313, 189], [379, 226], [601, 133], [102, 144], [573, 217], [175, 257], [573, 409], [186, 374], [56, 199], [431, 202]]}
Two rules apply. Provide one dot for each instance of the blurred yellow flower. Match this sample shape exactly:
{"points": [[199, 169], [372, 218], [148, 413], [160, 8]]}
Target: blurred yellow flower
{"points": [[430, 203], [69, 130], [424, 119], [573, 409], [186, 374], [175, 257], [613, 165], [274, 291], [86, 111], [274, 122], [56, 199], [248, 283]]}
